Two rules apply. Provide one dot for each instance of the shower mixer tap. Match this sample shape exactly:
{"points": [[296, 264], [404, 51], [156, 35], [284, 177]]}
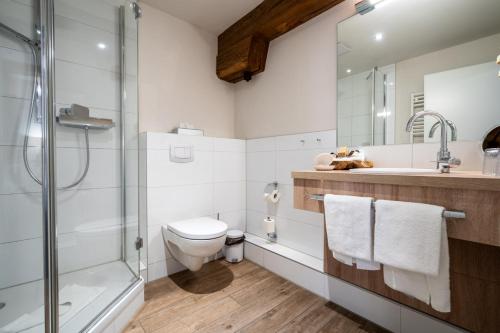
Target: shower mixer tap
{"points": [[79, 116]]}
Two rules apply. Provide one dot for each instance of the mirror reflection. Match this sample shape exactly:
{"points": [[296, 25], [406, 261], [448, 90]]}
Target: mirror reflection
{"points": [[400, 57]]}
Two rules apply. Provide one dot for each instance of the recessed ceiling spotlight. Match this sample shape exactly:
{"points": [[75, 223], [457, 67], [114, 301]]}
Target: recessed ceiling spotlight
{"points": [[102, 46], [348, 70], [379, 36]]}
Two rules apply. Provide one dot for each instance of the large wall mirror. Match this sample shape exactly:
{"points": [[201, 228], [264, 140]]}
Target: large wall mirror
{"points": [[403, 56]]}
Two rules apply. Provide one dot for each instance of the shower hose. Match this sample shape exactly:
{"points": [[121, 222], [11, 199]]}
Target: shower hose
{"points": [[28, 127]]}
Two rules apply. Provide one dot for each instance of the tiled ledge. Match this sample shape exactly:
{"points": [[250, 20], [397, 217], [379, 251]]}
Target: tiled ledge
{"points": [[284, 251]]}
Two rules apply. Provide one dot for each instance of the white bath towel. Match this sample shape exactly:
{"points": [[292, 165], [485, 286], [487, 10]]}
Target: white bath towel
{"points": [[408, 235], [349, 227], [430, 289]]}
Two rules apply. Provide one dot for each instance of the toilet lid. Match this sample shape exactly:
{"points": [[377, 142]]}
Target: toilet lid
{"points": [[198, 228]]}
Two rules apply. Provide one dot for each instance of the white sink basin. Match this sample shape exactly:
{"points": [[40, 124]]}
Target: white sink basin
{"points": [[394, 170]]}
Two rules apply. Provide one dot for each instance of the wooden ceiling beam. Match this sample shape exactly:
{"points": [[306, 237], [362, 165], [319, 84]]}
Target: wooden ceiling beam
{"points": [[242, 48]]}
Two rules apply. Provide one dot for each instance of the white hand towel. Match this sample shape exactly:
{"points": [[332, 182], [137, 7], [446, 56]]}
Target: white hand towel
{"points": [[349, 227], [433, 289], [408, 235]]}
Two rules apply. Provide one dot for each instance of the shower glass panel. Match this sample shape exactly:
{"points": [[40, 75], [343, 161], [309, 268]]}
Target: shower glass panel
{"points": [[96, 75], [96, 150], [21, 233]]}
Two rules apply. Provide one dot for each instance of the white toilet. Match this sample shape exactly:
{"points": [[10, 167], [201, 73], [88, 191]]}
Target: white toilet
{"points": [[191, 241]]}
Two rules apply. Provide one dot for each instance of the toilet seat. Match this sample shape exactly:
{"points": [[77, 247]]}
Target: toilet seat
{"points": [[199, 228]]}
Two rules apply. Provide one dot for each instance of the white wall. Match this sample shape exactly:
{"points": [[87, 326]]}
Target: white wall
{"points": [[177, 79], [89, 214], [213, 183], [297, 91], [273, 159]]}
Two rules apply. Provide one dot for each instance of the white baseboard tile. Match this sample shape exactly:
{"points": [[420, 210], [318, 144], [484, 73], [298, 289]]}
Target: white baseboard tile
{"points": [[416, 322], [368, 305], [301, 275], [254, 253]]}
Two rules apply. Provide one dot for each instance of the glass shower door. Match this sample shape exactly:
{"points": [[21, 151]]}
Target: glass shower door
{"points": [[96, 76], [21, 233]]}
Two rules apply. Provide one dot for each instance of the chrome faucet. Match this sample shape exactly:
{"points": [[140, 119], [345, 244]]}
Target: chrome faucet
{"points": [[452, 126], [444, 160]]}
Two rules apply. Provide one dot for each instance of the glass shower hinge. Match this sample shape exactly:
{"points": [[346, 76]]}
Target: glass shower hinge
{"points": [[139, 243]]}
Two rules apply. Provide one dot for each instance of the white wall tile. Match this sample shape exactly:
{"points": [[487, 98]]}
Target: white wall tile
{"points": [[16, 70], [86, 248], [168, 204], [285, 209], [233, 145], [157, 140], [21, 217], [234, 220], [74, 213], [264, 144], [157, 249], [393, 156], [261, 166], [77, 43], [229, 166], [255, 223], [293, 160], [29, 253], [162, 172], [228, 196], [84, 90]]}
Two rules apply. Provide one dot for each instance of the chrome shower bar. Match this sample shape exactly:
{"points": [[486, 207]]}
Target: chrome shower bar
{"points": [[449, 214]]}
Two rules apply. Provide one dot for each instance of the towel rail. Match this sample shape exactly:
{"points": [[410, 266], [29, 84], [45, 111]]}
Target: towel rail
{"points": [[452, 214]]}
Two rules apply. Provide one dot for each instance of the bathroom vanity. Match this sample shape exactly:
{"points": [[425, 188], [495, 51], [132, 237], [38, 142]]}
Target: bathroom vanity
{"points": [[474, 241]]}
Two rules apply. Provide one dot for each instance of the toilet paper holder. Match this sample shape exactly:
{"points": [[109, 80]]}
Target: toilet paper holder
{"points": [[272, 196]]}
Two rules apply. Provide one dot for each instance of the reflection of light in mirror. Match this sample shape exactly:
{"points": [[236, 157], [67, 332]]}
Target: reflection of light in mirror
{"points": [[379, 36], [383, 114], [102, 46], [348, 70]]}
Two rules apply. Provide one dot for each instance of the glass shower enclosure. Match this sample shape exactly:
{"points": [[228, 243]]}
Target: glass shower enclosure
{"points": [[69, 231]]}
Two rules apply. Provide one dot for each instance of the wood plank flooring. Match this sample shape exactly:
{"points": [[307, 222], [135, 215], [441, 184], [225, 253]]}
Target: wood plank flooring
{"points": [[243, 297]]}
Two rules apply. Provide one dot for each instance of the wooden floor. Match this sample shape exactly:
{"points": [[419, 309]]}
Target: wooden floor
{"points": [[242, 297]]}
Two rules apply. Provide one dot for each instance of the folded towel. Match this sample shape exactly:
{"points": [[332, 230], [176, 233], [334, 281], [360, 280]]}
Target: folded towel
{"points": [[408, 235], [433, 289], [349, 227]]}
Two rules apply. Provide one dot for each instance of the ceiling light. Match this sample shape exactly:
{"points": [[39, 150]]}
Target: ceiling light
{"points": [[379, 36], [348, 70], [102, 46]]}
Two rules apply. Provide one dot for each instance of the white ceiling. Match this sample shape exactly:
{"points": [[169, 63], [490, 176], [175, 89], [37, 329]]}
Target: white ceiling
{"points": [[211, 15], [411, 28]]}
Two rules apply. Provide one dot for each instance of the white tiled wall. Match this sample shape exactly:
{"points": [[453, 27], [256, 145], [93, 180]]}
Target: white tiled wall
{"points": [[214, 183], [273, 159], [89, 214]]}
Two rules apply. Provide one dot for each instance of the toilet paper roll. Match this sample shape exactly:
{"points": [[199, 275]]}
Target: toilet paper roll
{"points": [[272, 197], [269, 225]]}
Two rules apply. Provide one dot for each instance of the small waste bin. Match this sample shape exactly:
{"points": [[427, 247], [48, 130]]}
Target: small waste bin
{"points": [[234, 245]]}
